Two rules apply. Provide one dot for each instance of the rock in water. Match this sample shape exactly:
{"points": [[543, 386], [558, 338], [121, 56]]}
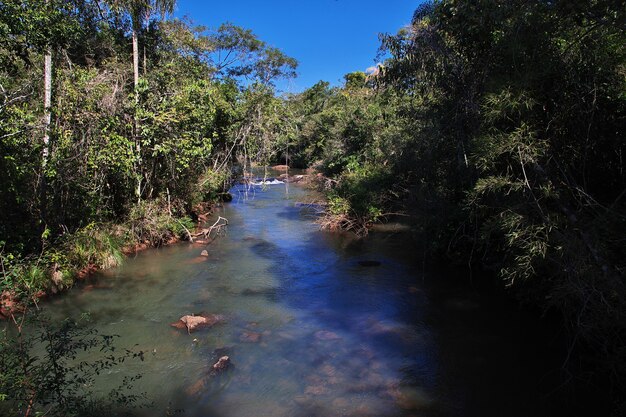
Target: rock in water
{"points": [[221, 365], [250, 337], [192, 323], [204, 253]]}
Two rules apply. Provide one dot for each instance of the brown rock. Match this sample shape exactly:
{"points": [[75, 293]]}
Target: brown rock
{"points": [[179, 325], [192, 323], [197, 260], [250, 337], [222, 364], [196, 388], [302, 399], [281, 167]]}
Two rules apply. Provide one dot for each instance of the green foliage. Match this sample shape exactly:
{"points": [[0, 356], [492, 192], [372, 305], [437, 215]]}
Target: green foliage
{"points": [[211, 185], [181, 227], [152, 222], [499, 127], [21, 277], [109, 145], [528, 98], [94, 245], [44, 370], [355, 79]]}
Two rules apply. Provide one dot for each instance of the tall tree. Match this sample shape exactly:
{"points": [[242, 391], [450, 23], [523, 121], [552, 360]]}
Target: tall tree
{"points": [[47, 101], [140, 12]]}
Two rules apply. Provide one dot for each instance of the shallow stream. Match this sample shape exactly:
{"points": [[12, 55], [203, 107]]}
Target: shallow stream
{"points": [[316, 324]]}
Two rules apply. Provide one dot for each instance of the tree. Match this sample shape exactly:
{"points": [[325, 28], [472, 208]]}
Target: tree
{"points": [[140, 12]]}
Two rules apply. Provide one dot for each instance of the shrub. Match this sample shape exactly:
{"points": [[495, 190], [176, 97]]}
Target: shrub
{"points": [[211, 185], [155, 222], [95, 244], [40, 373]]}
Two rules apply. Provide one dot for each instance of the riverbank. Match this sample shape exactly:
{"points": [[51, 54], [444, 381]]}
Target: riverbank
{"points": [[74, 257]]}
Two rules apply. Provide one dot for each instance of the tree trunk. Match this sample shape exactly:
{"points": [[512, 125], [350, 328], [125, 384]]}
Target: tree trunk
{"points": [[138, 172], [136, 64], [47, 118], [47, 104]]}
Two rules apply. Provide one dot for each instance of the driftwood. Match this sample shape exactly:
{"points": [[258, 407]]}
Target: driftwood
{"points": [[217, 229]]}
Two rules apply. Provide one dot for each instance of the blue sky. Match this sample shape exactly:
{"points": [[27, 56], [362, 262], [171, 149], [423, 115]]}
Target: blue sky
{"points": [[329, 38]]}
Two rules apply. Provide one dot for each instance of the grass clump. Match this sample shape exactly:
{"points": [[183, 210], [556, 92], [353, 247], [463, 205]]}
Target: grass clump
{"points": [[94, 245], [156, 223]]}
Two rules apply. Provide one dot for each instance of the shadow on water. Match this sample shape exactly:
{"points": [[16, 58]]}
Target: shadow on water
{"points": [[316, 324]]}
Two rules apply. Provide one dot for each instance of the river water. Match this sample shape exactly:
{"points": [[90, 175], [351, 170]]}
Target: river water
{"points": [[316, 324]]}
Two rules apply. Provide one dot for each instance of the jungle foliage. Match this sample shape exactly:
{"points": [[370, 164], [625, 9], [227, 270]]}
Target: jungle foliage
{"points": [[127, 158], [498, 127], [147, 117]]}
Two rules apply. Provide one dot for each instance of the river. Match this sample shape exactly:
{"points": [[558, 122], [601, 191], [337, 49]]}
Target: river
{"points": [[316, 324]]}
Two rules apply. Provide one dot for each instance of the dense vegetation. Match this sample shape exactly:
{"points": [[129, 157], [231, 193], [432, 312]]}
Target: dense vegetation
{"points": [[141, 121], [116, 125], [497, 127]]}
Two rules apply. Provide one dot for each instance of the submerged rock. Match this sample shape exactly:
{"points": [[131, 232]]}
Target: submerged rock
{"points": [[196, 388], [250, 337], [195, 322], [316, 390], [326, 335], [197, 260]]}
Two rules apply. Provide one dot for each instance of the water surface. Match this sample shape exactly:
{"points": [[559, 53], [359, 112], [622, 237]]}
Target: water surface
{"points": [[317, 324]]}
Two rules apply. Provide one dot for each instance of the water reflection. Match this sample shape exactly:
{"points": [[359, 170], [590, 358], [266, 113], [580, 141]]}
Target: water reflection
{"points": [[315, 324]]}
